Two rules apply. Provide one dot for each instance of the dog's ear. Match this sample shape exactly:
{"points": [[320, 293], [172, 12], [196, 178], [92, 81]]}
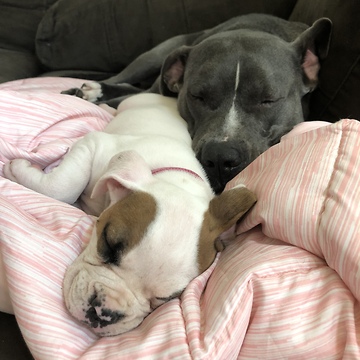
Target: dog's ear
{"points": [[126, 171], [225, 210], [172, 71], [313, 46]]}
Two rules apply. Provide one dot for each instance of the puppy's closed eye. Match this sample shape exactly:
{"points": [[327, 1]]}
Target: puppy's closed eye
{"points": [[111, 245]]}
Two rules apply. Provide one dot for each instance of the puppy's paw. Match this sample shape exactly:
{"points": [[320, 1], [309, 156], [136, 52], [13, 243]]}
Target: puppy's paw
{"points": [[90, 91], [15, 170]]}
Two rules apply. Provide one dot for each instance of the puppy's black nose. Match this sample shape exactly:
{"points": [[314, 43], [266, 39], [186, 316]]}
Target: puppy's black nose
{"points": [[221, 161], [98, 316]]}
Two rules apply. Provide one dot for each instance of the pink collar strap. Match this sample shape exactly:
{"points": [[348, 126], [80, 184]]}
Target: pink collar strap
{"points": [[172, 168]]}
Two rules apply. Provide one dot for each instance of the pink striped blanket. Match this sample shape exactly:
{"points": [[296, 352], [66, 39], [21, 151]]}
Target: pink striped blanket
{"points": [[288, 287]]}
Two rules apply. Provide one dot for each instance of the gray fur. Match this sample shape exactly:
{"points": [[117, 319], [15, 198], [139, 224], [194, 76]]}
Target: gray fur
{"points": [[240, 86]]}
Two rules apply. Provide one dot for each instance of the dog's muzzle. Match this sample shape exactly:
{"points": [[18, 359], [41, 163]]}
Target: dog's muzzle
{"points": [[97, 297], [222, 161]]}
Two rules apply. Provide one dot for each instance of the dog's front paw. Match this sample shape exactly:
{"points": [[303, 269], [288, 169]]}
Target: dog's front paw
{"points": [[90, 91], [14, 170]]}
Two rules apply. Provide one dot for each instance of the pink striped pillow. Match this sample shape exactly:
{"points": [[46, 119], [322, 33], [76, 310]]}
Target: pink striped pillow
{"points": [[308, 190], [261, 298]]}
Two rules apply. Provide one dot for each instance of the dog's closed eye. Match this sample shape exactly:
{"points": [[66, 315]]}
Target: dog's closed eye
{"points": [[203, 99], [111, 245], [198, 97], [270, 101]]}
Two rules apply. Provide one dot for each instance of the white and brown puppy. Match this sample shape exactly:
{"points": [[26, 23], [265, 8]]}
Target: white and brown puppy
{"points": [[159, 222]]}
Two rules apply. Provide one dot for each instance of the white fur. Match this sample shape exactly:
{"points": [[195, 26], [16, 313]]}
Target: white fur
{"points": [[91, 91], [148, 124], [147, 134], [232, 118]]}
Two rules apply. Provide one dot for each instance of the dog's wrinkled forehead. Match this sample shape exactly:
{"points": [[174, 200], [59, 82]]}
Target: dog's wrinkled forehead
{"points": [[255, 53], [121, 227]]}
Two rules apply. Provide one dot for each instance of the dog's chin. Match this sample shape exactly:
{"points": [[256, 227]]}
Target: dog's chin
{"points": [[118, 328], [219, 182], [216, 185]]}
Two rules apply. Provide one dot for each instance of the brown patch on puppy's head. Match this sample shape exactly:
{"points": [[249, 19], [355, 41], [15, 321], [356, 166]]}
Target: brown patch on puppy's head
{"points": [[121, 227], [224, 211]]}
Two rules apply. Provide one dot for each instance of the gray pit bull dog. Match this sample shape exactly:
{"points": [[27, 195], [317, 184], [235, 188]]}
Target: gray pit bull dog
{"points": [[240, 86]]}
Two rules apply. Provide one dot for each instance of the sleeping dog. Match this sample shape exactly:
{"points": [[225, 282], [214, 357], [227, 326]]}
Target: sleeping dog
{"points": [[240, 86], [159, 224]]}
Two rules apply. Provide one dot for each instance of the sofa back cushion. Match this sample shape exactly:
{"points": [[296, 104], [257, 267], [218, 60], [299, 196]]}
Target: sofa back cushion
{"points": [[19, 20], [337, 95], [107, 35]]}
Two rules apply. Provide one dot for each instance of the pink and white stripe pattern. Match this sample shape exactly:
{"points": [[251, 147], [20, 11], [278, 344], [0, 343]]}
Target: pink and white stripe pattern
{"points": [[286, 288]]}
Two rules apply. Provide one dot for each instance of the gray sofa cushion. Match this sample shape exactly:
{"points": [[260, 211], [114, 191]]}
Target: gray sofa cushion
{"points": [[106, 35], [19, 20]]}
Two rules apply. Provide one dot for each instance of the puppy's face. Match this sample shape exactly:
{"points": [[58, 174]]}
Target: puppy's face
{"points": [[144, 250]]}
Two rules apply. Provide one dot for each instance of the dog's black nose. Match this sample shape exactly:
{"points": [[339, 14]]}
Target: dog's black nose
{"points": [[221, 161]]}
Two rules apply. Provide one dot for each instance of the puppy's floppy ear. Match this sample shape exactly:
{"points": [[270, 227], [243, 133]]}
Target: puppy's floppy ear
{"points": [[126, 171], [172, 71], [313, 46], [223, 213]]}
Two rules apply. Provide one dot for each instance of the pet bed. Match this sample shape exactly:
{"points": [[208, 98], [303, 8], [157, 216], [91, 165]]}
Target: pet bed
{"points": [[286, 287]]}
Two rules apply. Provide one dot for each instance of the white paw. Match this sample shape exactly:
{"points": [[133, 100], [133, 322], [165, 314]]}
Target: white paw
{"points": [[91, 91], [13, 169]]}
